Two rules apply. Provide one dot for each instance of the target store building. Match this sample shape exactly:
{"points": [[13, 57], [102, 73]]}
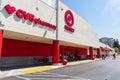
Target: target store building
{"points": [[31, 29]]}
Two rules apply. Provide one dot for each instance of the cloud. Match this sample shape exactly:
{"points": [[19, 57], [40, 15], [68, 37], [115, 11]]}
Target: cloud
{"points": [[112, 7], [51, 3], [112, 12]]}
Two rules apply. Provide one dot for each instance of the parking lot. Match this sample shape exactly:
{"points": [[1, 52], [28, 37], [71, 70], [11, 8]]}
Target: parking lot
{"points": [[43, 76]]}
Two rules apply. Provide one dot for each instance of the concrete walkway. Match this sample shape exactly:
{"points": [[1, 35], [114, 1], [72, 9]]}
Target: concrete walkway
{"points": [[22, 71]]}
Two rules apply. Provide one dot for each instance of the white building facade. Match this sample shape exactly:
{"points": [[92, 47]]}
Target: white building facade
{"points": [[28, 30]]}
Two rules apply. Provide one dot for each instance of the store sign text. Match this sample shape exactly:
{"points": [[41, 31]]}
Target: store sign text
{"points": [[22, 14], [69, 18]]}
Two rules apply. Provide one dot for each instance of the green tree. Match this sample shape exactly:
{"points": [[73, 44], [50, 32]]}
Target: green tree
{"points": [[116, 49], [116, 45]]}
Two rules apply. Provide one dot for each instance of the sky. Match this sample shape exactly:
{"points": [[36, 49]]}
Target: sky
{"points": [[103, 15], [52, 3]]}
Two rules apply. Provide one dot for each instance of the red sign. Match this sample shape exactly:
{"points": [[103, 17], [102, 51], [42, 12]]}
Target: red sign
{"points": [[69, 18], [22, 14]]}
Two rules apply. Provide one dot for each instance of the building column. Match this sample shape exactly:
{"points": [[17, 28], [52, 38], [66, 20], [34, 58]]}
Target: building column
{"points": [[1, 41], [98, 52], [91, 52], [56, 52]]}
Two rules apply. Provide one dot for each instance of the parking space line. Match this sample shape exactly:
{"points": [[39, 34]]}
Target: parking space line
{"points": [[74, 77], [24, 78], [52, 76]]}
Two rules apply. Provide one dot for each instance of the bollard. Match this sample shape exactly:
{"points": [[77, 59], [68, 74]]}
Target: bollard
{"points": [[93, 58], [64, 61]]}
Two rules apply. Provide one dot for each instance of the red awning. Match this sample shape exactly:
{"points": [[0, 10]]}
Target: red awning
{"points": [[102, 47], [105, 48]]}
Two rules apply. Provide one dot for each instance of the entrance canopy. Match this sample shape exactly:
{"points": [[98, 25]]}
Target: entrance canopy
{"points": [[31, 38], [105, 47]]}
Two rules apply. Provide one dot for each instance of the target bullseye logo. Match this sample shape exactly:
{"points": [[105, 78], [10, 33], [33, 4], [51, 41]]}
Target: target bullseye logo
{"points": [[69, 18]]}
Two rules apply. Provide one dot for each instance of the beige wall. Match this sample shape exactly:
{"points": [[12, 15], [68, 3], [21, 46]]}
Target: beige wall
{"points": [[36, 7], [83, 33]]}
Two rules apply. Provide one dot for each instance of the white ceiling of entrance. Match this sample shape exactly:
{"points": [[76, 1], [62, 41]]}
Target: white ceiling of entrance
{"points": [[26, 37]]}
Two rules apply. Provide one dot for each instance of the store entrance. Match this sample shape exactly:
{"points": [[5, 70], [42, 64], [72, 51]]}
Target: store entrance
{"points": [[73, 53], [68, 53]]}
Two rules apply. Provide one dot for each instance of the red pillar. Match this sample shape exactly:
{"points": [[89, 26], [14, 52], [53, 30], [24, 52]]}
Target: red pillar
{"points": [[56, 52], [98, 52], [1, 40], [91, 52]]}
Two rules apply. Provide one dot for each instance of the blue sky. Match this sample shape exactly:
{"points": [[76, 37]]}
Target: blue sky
{"points": [[103, 15]]}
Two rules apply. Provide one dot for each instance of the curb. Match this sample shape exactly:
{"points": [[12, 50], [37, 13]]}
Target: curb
{"points": [[45, 68], [16, 72]]}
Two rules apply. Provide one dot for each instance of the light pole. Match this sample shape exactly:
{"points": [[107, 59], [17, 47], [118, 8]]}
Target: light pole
{"points": [[56, 45], [57, 18]]}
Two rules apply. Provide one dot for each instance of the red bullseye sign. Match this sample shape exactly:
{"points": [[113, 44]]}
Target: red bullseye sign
{"points": [[69, 18]]}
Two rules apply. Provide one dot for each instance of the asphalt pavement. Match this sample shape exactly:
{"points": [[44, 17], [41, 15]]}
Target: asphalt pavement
{"points": [[108, 69]]}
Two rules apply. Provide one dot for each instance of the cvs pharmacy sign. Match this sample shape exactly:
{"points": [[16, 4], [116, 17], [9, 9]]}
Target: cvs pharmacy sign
{"points": [[22, 14]]}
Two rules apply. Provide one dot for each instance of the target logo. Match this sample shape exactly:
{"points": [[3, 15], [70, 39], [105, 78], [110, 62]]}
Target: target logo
{"points": [[69, 18]]}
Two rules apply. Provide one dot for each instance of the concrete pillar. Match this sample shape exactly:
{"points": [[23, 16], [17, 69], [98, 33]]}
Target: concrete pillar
{"points": [[1, 41], [98, 52], [91, 52], [56, 52]]}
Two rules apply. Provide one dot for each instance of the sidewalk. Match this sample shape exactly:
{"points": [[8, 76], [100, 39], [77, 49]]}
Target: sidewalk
{"points": [[22, 71]]}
